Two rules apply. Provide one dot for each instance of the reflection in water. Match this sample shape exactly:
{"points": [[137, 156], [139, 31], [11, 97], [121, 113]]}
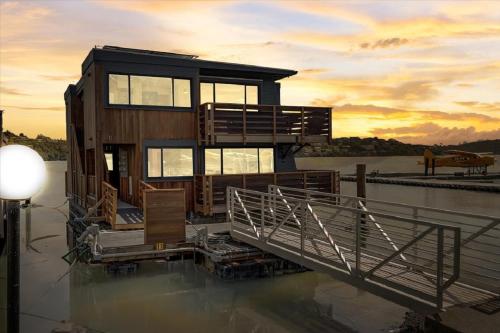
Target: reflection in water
{"points": [[184, 298]]}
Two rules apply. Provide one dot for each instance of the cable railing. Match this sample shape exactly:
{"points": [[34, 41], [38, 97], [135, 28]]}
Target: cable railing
{"points": [[399, 256]]}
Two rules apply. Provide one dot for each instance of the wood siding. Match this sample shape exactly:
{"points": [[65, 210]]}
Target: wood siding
{"points": [[164, 216]]}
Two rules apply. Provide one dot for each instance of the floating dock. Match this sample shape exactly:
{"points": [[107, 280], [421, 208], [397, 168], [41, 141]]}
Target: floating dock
{"points": [[459, 184], [210, 245]]}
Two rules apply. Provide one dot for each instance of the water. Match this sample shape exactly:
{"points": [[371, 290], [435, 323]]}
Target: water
{"points": [[182, 297], [384, 164], [457, 200]]}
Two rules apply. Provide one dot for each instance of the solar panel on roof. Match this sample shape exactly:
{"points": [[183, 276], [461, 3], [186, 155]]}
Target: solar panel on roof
{"points": [[160, 53]]}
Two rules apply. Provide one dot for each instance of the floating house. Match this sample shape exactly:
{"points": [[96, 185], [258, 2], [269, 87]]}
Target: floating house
{"points": [[140, 122]]}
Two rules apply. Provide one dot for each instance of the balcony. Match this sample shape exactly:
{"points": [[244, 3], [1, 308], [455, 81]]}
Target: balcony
{"points": [[210, 190], [244, 123]]}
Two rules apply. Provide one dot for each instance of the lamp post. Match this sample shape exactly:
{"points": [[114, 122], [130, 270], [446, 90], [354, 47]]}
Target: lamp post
{"points": [[22, 174]]}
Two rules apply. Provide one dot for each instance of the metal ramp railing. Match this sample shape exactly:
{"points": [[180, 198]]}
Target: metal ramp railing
{"points": [[411, 260]]}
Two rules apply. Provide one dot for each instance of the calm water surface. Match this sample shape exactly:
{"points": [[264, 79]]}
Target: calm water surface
{"points": [[182, 297], [384, 164]]}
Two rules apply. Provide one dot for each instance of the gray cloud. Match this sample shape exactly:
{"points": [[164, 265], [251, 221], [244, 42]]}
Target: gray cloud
{"points": [[385, 43]]}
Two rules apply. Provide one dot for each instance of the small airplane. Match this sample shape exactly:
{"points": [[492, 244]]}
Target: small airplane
{"points": [[475, 162]]}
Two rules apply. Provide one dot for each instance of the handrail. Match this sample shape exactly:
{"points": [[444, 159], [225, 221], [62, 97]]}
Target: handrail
{"points": [[341, 243], [440, 210], [479, 244], [143, 186], [110, 203]]}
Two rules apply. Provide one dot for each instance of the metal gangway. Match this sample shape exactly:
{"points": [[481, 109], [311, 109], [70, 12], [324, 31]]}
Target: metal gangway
{"points": [[423, 258]]}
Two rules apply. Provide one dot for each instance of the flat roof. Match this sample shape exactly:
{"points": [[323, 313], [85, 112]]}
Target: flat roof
{"points": [[207, 67]]}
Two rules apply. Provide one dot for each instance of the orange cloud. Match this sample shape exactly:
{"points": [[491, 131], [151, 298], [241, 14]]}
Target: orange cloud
{"points": [[160, 7], [485, 107], [371, 120], [11, 91]]}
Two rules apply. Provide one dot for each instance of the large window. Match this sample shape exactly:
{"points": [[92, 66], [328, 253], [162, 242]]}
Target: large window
{"points": [[228, 93], [169, 162], [118, 89], [154, 162], [213, 161], [149, 90], [238, 160]]}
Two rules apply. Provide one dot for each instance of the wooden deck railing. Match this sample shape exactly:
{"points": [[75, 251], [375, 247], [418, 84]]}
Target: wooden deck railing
{"points": [[77, 184], [143, 186], [223, 122], [210, 190], [110, 203]]}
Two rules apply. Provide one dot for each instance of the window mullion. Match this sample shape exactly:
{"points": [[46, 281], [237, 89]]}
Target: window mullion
{"points": [[221, 161], [129, 89], [173, 92], [162, 175], [258, 152]]}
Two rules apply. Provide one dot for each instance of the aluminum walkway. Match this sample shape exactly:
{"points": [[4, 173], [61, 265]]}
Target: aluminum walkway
{"points": [[423, 258]]}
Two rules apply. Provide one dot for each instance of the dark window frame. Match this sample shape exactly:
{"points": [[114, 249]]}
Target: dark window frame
{"points": [[151, 107], [163, 177], [221, 149], [243, 83]]}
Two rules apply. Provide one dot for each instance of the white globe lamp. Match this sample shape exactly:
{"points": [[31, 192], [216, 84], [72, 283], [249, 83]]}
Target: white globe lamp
{"points": [[22, 175], [22, 172]]}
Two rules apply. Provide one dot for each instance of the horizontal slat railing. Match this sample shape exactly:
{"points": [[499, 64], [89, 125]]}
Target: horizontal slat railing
{"points": [[273, 122], [210, 190], [336, 236]]}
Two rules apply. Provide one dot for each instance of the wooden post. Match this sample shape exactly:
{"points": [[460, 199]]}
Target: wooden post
{"points": [[244, 114], [361, 193], [302, 121], [210, 195], [330, 126], [361, 180], [205, 112], [426, 166], [274, 124]]}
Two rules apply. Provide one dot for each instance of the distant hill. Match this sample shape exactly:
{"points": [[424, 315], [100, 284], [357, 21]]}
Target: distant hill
{"points": [[56, 150], [49, 149], [355, 146], [486, 146]]}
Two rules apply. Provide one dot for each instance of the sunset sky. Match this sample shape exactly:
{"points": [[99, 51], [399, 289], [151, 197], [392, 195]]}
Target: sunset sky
{"points": [[420, 72]]}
